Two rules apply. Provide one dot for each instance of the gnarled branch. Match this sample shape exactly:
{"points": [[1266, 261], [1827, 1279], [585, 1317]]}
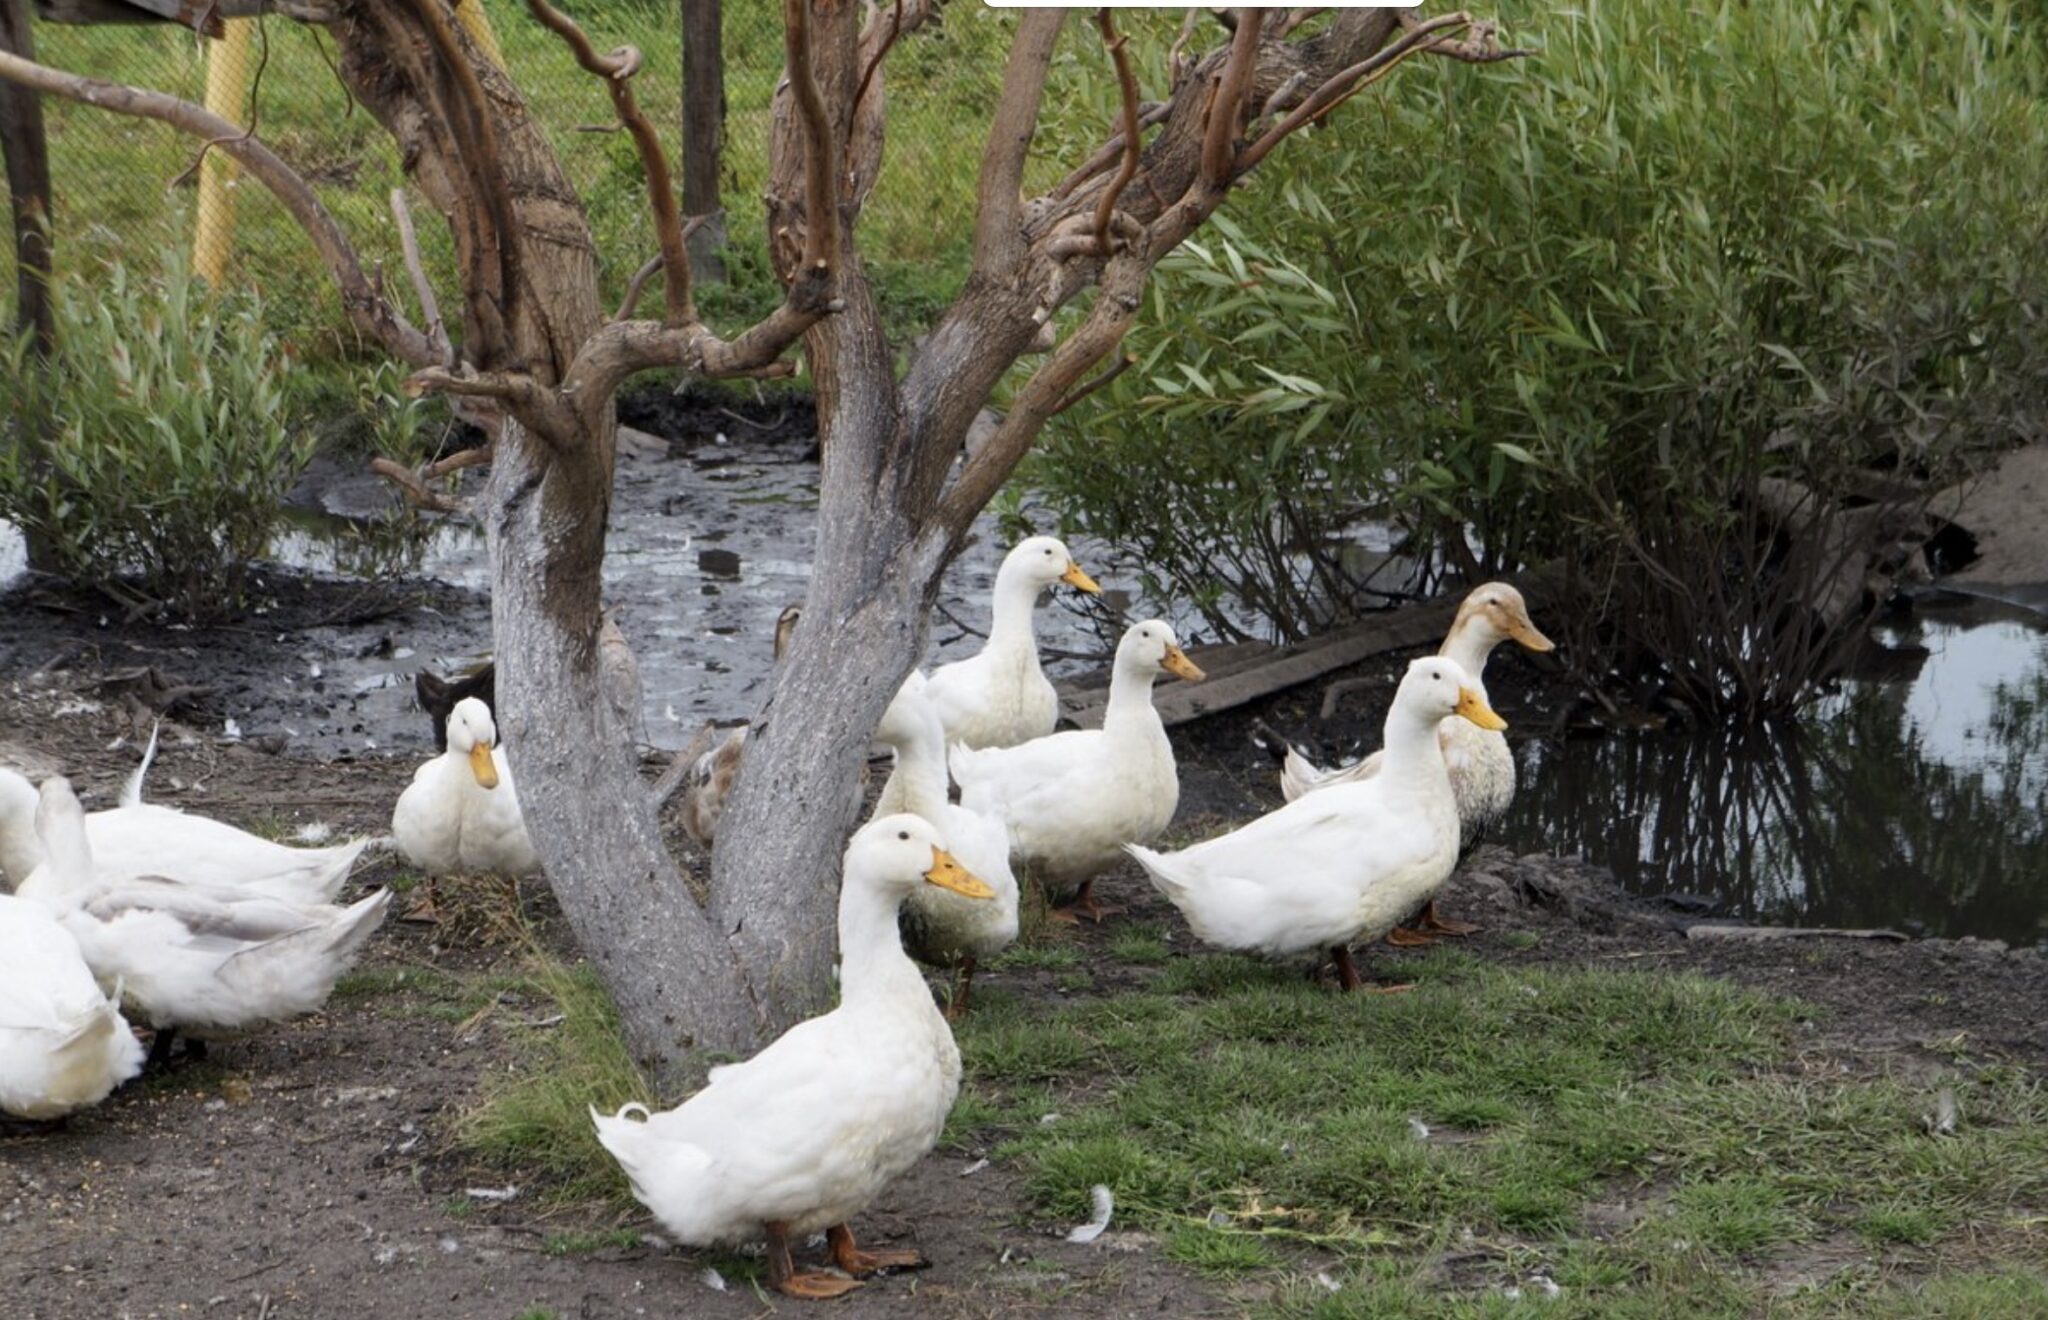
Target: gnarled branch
{"points": [[366, 307], [821, 146], [616, 71], [416, 271], [997, 240], [1232, 85], [1127, 85]]}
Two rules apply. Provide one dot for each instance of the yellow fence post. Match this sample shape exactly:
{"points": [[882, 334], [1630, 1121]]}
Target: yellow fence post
{"points": [[227, 79], [471, 14]]}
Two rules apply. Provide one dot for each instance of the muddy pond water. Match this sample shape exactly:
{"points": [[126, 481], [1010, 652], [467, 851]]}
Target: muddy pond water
{"points": [[1917, 802]]}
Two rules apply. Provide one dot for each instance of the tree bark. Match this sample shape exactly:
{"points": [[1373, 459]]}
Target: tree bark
{"points": [[28, 184], [704, 133]]}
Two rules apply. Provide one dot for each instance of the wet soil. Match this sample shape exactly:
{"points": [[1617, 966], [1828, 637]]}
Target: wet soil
{"points": [[306, 1170]]}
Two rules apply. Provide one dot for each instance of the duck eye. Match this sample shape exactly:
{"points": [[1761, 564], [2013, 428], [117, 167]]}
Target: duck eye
{"points": [[903, 835]]}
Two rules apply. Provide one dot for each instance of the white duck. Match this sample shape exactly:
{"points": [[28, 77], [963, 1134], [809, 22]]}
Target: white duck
{"points": [[461, 813], [806, 1133], [999, 697], [206, 961], [1072, 800], [1343, 863], [1482, 768], [63, 1043], [939, 926], [138, 838]]}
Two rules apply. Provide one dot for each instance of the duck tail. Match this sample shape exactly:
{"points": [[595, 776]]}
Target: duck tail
{"points": [[131, 792], [355, 926], [1160, 870]]}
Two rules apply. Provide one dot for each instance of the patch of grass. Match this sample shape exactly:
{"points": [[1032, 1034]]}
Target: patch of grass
{"points": [[538, 1121], [1735, 1216], [1234, 1107], [1217, 1251], [1044, 956], [584, 1243], [1142, 945]]}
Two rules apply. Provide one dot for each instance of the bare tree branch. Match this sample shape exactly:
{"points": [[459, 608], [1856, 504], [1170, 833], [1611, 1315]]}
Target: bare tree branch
{"points": [[616, 70], [1349, 82], [646, 272], [515, 388], [1128, 85], [1093, 383], [416, 270], [1482, 47], [883, 43], [416, 490], [821, 145], [1108, 153], [1176, 70], [494, 248], [1219, 141], [1296, 18], [367, 308], [1116, 306], [998, 242]]}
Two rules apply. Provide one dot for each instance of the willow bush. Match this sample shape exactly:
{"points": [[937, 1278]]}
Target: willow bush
{"points": [[150, 456], [1589, 305]]}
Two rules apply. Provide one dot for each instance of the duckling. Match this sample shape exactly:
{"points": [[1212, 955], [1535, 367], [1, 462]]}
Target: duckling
{"points": [[1345, 862], [999, 697], [191, 958], [461, 813], [809, 1131], [709, 780], [1482, 769], [63, 1043], [1072, 800], [940, 927]]}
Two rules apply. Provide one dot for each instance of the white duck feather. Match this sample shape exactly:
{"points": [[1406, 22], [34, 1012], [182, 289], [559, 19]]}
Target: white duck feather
{"points": [[807, 1132], [63, 1042], [461, 812], [1344, 863]]}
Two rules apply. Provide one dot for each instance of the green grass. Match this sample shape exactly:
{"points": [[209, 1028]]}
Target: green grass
{"points": [[537, 1122], [1241, 1112]]}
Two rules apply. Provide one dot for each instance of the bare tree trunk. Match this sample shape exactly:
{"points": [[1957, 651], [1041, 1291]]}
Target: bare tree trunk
{"points": [[704, 133], [26, 147]]}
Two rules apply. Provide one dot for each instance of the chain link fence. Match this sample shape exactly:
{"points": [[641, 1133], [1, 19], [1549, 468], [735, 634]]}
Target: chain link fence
{"points": [[130, 190]]}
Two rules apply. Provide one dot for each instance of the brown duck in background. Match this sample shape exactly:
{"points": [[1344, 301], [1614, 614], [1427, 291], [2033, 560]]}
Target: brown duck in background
{"points": [[709, 780]]}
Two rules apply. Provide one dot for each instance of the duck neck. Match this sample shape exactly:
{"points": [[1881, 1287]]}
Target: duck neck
{"points": [[872, 964], [918, 782], [1469, 644], [1130, 700], [1412, 754], [1010, 625]]}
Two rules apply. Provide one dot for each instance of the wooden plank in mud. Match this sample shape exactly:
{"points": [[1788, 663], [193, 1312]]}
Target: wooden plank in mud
{"points": [[1242, 674]]}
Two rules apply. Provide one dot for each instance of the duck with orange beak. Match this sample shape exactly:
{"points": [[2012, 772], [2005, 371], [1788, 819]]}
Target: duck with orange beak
{"points": [[1072, 800], [999, 697], [1344, 863], [1481, 766], [460, 813], [804, 1135]]}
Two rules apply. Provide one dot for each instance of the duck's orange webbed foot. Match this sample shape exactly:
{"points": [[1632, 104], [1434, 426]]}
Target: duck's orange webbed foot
{"points": [[810, 1286], [1434, 923], [1401, 937], [848, 1256]]}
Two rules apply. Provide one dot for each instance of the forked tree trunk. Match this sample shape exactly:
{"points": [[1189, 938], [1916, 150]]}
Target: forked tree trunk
{"points": [[694, 979]]}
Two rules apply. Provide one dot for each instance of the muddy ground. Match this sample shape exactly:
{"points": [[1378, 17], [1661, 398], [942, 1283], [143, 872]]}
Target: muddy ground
{"points": [[307, 1171]]}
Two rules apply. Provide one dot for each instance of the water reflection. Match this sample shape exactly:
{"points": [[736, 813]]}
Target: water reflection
{"points": [[1920, 804]]}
